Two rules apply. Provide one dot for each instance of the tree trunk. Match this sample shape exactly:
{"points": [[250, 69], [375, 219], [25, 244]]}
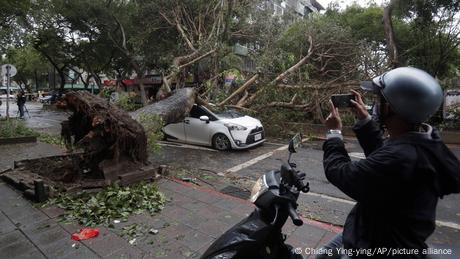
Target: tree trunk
{"points": [[240, 90], [389, 35], [62, 81], [172, 109]]}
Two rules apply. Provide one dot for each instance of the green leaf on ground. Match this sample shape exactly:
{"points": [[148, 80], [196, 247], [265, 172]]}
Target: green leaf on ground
{"points": [[113, 202]]}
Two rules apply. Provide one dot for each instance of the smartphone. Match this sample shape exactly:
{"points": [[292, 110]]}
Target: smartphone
{"points": [[342, 100]]}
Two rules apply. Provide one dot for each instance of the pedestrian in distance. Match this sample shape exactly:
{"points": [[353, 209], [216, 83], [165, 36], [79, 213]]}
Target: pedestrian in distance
{"points": [[21, 101], [398, 184]]}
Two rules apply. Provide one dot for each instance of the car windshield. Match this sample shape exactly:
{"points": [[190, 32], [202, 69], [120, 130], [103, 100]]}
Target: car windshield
{"points": [[230, 114]]}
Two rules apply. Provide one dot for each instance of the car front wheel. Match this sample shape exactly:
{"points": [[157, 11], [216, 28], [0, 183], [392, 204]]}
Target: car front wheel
{"points": [[221, 142]]}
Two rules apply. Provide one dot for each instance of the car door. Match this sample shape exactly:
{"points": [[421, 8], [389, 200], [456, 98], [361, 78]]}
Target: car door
{"points": [[175, 131], [197, 131]]}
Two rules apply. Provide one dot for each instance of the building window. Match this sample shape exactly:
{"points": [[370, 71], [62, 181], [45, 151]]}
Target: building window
{"points": [[307, 11], [300, 8], [279, 10]]}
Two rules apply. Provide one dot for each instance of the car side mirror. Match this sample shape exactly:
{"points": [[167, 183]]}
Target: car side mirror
{"points": [[204, 118]]}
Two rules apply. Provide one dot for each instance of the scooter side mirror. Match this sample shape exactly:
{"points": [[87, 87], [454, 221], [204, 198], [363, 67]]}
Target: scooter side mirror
{"points": [[295, 143]]}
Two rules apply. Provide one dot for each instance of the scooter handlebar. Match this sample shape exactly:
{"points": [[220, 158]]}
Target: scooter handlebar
{"points": [[294, 216]]}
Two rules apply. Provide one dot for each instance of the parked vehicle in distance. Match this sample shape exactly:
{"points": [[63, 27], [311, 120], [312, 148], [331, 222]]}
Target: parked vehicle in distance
{"points": [[223, 131]]}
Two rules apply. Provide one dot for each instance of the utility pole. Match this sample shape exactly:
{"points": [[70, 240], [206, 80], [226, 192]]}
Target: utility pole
{"points": [[9, 71], [8, 68]]}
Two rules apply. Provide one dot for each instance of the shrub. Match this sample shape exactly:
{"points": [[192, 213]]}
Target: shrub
{"points": [[126, 101], [153, 125], [14, 128]]}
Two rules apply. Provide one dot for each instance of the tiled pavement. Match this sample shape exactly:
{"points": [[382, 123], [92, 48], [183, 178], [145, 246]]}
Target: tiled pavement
{"points": [[191, 220]]}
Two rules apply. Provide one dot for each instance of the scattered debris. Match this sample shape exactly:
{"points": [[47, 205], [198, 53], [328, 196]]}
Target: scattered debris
{"points": [[114, 203], [85, 233], [190, 180], [131, 242]]}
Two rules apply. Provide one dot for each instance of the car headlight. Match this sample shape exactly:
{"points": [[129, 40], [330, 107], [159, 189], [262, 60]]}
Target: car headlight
{"points": [[232, 126], [259, 187]]}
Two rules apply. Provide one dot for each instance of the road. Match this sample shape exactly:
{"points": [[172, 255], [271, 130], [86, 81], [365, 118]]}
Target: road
{"points": [[43, 120], [324, 202]]}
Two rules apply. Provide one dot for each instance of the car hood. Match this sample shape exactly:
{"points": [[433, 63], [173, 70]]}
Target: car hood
{"points": [[245, 121]]}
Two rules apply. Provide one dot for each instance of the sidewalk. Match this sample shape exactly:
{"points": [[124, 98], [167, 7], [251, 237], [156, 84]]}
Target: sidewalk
{"points": [[191, 220]]}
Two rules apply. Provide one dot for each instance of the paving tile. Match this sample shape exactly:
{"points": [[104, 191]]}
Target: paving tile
{"points": [[175, 212], [207, 197], [307, 235], [208, 211], [171, 250], [226, 204], [52, 211], [173, 186], [34, 231], [128, 252], [81, 253], [61, 248], [229, 218], [71, 227], [12, 237], [105, 243], [33, 255], [180, 200], [17, 249], [175, 231], [49, 237], [193, 220], [30, 217], [196, 240], [6, 225], [328, 235], [196, 206], [213, 227]]}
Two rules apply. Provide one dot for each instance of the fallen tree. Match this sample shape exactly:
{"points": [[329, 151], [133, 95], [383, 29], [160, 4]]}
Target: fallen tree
{"points": [[112, 141], [172, 109]]}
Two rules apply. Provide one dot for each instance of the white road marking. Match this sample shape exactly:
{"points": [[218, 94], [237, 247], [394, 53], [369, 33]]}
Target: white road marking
{"points": [[275, 144], [330, 197], [258, 159], [448, 224], [255, 160], [180, 145], [438, 222]]}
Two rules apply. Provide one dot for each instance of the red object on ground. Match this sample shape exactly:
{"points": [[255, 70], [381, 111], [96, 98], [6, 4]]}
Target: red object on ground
{"points": [[85, 233]]}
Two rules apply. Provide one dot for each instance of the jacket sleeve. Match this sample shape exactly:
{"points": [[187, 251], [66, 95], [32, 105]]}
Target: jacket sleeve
{"points": [[369, 135], [372, 178]]}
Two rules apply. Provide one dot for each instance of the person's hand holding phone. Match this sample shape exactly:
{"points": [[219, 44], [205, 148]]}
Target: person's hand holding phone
{"points": [[359, 109], [333, 121]]}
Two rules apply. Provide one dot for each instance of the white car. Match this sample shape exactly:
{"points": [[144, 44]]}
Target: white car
{"points": [[223, 131]]}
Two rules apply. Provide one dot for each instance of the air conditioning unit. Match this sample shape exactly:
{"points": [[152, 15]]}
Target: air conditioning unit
{"points": [[279, 10], [300, 8]]}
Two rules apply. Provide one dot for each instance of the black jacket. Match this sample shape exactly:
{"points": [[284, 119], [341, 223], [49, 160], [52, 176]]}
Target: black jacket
{"points": [[396, 187]]}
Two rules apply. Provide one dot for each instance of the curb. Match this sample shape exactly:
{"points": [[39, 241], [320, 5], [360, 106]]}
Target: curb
{"points": [[17, 140]]}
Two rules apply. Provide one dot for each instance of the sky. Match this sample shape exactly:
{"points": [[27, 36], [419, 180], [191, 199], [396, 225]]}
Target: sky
{"points": [[344, 3]]}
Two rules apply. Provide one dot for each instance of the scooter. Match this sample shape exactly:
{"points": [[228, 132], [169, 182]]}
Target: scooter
{"points": [[259, 235], [275, 196]]}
